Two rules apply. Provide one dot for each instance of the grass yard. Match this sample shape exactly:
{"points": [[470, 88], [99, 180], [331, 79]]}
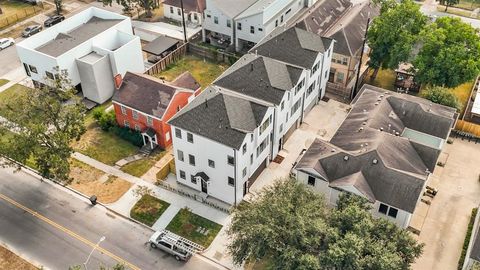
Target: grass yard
{"points": [[3, 82], [10, 260], [385, 79], [463, 93], [186, 223], [10, 96], [148, 209], [205, 72], [140, 167], [157, 15], [11, 7], [468, 4], [91, 181], [457, 11]]}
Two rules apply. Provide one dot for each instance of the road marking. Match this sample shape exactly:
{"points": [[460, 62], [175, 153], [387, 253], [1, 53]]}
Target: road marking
{"points": [[69, 232]]}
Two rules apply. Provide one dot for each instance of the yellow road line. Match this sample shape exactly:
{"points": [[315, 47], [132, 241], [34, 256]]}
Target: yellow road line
{"points": [[69, 232]]}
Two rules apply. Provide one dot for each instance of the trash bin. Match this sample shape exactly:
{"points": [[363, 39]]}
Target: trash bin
{"points": [[93, 199]]}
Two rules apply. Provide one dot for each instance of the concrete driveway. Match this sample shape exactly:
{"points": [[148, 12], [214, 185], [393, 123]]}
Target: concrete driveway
{"points": [[444, 223], [321, 122]]}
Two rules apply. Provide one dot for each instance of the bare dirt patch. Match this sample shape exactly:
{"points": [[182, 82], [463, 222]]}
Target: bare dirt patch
{"points": [[9, 260]]}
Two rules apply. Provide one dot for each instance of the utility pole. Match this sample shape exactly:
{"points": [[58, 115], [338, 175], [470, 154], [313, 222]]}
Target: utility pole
{"points": [[183, 23], [354, 90]]}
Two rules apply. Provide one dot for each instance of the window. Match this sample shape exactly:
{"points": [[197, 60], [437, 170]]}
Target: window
{"points": [[178, 133], [189, 137], [282, 105], [193, 179], [229, 23], [167, 245], [296, 106], [252, 30], [326, 74], [383, 208], [167, 136], [315, 68], [33, 69], [25, 66], [262, 146], [124, 110], [264, 126], [244, 148], [178, 11], [182, 175], [137, 127], [231, 181], [180, 155], [328, 53], [215, 19], [49, 75], [195, 16], [260, 29], [281, 128], [299, 86], [310, 88], [311, 180], [340, 77], [171, 10], [392, 212], [149, 121], [276, 23], [251, 137], [244, 171], [288, 11], [126, 123], [345, 61], [239, 26], [281, 19], [135, 115], [191, 160], [211, 163], [251, 159], [209, 16], [230, 160]]}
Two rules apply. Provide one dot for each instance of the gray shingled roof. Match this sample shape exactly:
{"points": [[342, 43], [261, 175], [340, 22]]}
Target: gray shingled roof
{"points": [[232, 8], [64, 42], [293, 45], [145, 93], [260, 77], [188, 5], [186, 80], [220, 117], [320, 19], [475, 252], [400, 169]]}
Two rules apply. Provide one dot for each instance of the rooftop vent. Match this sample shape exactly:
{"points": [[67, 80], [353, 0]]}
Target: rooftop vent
{"points": [[345, 158], [397, 133], [375, 161], [381, 129], [360, 129], [376, 103], [333, 150]]}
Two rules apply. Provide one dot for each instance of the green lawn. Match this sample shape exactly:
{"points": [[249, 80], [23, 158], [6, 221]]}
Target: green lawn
{"points": [[3, 82], [205, 72], [148, 209], [140, 167], [10, 96], [463, 93], [185, 224], [385, 79]]}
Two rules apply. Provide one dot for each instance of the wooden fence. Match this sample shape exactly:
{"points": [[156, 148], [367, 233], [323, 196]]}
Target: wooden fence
{"points": [[213, 54], [468, 127], [21, 15], [171, 58]]}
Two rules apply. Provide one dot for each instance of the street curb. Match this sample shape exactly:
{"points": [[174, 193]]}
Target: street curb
{"points": [[35, 174], [17, 253]]}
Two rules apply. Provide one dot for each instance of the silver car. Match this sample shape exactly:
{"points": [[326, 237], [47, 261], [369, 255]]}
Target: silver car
{"points": [[175, 247]]}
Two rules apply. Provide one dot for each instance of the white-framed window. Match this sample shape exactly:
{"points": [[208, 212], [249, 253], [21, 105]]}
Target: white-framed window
{"points": [[193, 179], [215, 19], [178, 133], [282, 105], [180, 155], [149, 121], [340, 77], [230, 160], [296, 106], [244, 172], [262, 146], [252, 30], [388, 210], [299, 86], [311, 180], [239, 26], [264, 126], [179, 12], [189, 137], [281, 128], [211, 163], [171, 10], [33, 69], [310, 88], [191, 160], [124, 110], [229, 23], [182, 175], [251, 159], [244, 148], [137, 127], [126, 123], [167, 136], [135, 114], [231, 181]]}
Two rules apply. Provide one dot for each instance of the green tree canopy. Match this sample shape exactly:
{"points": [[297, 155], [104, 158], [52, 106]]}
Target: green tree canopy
{"points": [[393, 34], [292, 227], [441, 95], [45, 122], [450, 53]]}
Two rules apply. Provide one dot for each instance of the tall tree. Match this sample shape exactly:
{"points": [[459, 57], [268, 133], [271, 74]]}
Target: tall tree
{"points": [[58, 6], [45, 122], [450, 53], [450, 3], [147, 5], [291, 226], [393, 34]]}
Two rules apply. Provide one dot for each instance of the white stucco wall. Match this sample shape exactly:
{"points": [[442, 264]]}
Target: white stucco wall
{"points": [[189, 16], [208, 23]]}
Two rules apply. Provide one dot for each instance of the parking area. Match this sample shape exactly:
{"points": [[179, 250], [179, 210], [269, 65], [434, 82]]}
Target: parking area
{"points": [[321, 122], [443, 224]]}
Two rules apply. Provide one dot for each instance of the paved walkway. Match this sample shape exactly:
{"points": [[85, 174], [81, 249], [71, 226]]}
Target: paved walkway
{"points": [[166, 217], [151, 175]]}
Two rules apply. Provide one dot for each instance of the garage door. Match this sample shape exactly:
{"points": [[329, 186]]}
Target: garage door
{"points": [[257, 172]]}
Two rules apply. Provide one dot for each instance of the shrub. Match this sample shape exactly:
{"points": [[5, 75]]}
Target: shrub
{"points": [[127, 134], [105, 120], [467, 238], [443, 96]]}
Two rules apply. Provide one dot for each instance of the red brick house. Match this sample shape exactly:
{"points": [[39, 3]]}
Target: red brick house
{"points": [[145, 103]]}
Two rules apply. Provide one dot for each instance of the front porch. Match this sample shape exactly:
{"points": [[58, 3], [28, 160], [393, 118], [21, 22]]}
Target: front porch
{"points": [[150, 138]]}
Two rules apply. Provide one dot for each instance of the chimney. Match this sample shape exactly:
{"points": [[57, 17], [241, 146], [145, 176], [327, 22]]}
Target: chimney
{"points": [[118, 81]]}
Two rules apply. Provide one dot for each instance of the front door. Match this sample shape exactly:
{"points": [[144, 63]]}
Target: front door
{"points": [[280, 144], [204, 186], [245, 188]]}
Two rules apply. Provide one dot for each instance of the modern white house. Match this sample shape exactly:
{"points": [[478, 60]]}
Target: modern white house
{"points": [[193, 11], [243, 23], [384, 151], [93, 46], [245, 117]]}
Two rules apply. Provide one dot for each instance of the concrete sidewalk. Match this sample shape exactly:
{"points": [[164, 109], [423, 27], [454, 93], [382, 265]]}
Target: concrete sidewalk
{"points": [[166, 217]]}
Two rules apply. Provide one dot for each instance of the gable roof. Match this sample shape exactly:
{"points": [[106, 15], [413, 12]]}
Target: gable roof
{"points": [[187, 81], [260, 77], [232, 8], [220, 117], [372, 152], [324, 16], [293, 45], [188, 5], [145, 93]]}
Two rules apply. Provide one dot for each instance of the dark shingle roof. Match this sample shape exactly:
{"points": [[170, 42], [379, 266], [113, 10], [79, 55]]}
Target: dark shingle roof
{"points": [[188, 5], [260, 77], [320, 19], [144, 93], [293, 45], [393, 168], [220, 117], [186, 80], [64, 42]]}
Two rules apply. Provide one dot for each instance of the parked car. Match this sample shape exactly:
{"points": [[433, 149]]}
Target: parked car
{"points": [[181, 248], [31, 30], [53, 20], [6, 42]]}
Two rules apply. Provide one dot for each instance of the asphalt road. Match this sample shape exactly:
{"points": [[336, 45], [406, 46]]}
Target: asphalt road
{"points": [[57, 229]]}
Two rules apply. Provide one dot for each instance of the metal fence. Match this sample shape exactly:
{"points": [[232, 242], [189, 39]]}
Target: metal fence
{"points": [[20, 15]]}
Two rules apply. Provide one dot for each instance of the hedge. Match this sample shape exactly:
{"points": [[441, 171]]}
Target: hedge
{"points": [[129, 135], [467, 239]]}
